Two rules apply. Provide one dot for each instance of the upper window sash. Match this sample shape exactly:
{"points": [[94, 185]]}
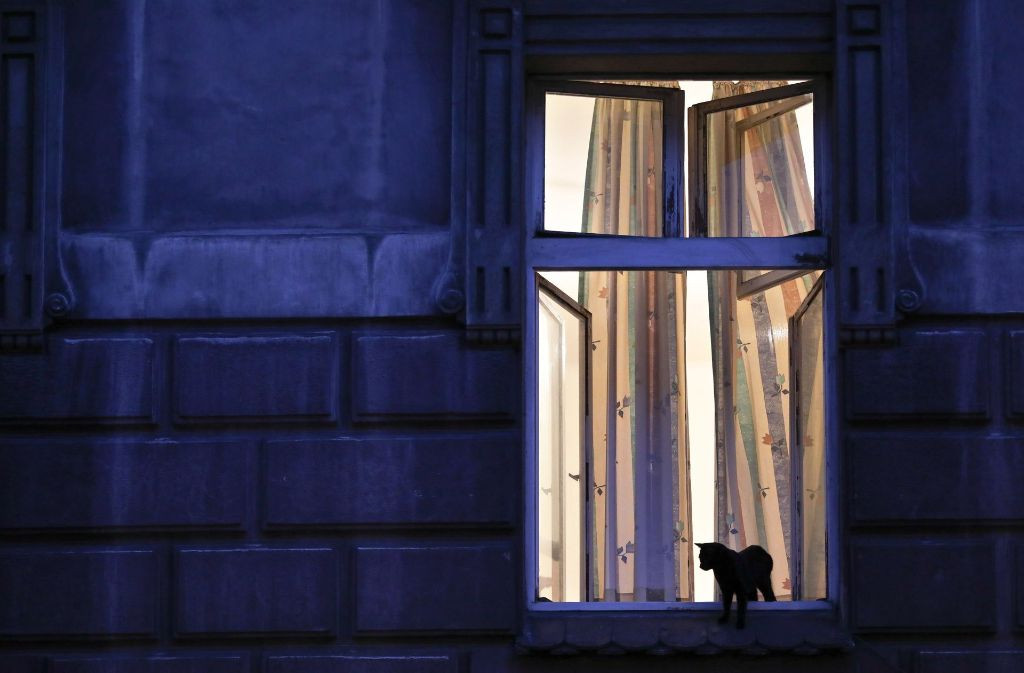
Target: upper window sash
{"points": [[552, 249], [776, 102], [673, 111]]}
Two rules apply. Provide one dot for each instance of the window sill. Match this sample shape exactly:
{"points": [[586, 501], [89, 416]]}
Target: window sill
{"points": [[604, 633]]}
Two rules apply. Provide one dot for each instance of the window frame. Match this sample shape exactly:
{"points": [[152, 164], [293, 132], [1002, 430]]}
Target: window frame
{"points": [[553, 251], [697, 146], [797, 445], [674, 149], [544, 286]]}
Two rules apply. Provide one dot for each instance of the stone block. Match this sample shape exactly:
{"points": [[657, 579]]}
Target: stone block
{"points": [[231, 276], [970, 662], [916, 477], [1015, 375], [333, 274], [343, 482], [271, 377], [432, 377], [117, 484], [923, 586], [930, 374], [78, 594], [255, 591], [378, 663], [435, 589], [94, 380], [164, 663]]}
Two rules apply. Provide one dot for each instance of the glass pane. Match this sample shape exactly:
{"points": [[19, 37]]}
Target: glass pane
{"points": [[561, 370], [750, 341], [688, 437], [811, 425], [761, 279], [760, 169], [603, 165], [640, 545], [638, 539]]}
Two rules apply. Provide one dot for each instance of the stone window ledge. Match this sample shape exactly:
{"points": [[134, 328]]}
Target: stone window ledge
{"points": [[570, 633]]}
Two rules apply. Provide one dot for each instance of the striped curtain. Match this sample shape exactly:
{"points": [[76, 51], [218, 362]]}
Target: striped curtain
{"points": [[640, 521], [752, 390]]}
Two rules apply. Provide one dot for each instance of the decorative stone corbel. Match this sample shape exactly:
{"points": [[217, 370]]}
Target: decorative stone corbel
{"points": [[33, 286], [871, 234], [481, 281]]}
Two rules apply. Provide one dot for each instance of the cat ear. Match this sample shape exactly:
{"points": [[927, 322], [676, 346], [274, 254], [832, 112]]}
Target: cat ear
{"points": [[701, 544]]}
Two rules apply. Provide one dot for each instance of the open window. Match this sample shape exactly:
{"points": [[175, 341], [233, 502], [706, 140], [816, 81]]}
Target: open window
{"points": [[563, 339], [807, 418], [636, 146], [679, 372], [751, 165]]}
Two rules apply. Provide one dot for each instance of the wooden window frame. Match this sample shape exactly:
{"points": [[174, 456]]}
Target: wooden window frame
{"points": [[785, 257]]}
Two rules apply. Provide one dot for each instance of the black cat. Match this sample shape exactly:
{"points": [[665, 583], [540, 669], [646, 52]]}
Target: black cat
{"points": [[741, 573]]}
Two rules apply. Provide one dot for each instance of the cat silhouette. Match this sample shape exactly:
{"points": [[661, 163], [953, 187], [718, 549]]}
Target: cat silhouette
{"points": [[740, 574]]}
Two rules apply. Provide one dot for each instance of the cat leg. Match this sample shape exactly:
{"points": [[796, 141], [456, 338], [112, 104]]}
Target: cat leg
{"points": [[765, 586], [741, 610], [726, 606]]}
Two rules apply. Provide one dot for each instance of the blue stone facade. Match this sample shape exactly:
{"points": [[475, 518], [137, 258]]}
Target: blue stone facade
{"points": [[261, 375]]}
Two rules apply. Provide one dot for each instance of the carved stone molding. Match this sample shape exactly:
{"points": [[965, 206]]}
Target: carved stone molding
{"points": [[486, 204], [33, 288], [869, 240]]}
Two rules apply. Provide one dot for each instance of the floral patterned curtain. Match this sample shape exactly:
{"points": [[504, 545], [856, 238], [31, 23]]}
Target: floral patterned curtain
{"points": [[639, 547], [752, 403], [640, 519]]}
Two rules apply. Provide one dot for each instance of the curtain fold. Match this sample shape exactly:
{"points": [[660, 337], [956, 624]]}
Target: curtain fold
{"points": [[640, 547], [639, 542], [760, 188]]}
